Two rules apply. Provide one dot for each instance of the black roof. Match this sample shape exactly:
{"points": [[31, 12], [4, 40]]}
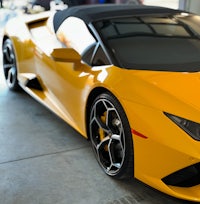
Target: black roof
{"points": [[90, 13]]}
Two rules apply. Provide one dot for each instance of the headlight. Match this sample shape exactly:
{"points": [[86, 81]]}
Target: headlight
{"points": [[190, 127]]}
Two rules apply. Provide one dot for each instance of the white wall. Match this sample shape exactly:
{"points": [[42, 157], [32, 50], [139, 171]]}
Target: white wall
{"points": [[169, 3], [190, 5]]}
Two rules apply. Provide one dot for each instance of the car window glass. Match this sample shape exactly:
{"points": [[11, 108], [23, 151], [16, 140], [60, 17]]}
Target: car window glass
{"points": [[100, 58], [168, 43], [88, 54], [171, 30], [95, 56], [158, 26]]}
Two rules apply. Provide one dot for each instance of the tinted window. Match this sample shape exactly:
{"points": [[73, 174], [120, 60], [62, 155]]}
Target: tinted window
{"points": [[95, 56], [168, 43], [100, 58]]}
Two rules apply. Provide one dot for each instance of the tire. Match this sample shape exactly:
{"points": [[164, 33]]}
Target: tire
{"points": [[111, 137], [10, 65]]}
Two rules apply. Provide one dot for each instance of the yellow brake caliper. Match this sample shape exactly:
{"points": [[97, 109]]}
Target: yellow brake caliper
{"points": [[101, 131]]}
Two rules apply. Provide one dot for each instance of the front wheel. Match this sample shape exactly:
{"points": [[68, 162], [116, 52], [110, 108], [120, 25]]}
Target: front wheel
{"points": [[9, 65], [111, 136]]}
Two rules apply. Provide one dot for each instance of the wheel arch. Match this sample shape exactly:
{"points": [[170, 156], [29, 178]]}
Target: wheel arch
{"points": [[93, 94], [129, 171]]}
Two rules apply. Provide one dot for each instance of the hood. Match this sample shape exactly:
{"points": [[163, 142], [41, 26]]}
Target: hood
{"points": [[182, 85], [175, 92]]}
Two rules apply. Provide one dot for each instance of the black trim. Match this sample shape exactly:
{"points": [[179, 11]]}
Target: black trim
{"points": [[34, 84], [187, 177], [91, 13]]}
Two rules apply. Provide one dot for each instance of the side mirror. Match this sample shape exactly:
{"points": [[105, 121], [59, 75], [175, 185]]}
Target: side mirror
{"points": [[65, 55]]}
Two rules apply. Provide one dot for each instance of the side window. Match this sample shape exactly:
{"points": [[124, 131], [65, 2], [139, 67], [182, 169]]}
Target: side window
{"points": [[100, 57], [87, 55], [95, 56]]}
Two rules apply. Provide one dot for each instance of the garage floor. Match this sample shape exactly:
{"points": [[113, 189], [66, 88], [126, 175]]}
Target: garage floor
{"points": [[44, 161]]}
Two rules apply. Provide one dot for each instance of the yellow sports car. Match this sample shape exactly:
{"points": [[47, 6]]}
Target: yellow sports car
{"points": [[125, 77]]}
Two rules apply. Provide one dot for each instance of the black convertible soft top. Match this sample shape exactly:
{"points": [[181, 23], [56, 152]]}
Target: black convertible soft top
{"points": [[90, 13]]}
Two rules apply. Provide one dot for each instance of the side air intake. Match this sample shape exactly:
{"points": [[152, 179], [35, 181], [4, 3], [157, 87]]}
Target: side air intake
{"points": [[34, 84], [187, 177]]}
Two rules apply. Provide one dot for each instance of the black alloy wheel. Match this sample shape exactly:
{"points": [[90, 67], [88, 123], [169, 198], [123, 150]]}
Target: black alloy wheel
{"points": [[111, 137], [9, 65]]}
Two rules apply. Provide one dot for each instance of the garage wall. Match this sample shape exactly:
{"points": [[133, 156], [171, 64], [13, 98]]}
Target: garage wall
{"points": [[190, 5]]}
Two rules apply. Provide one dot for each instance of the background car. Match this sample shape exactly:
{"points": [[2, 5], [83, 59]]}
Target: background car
{"points": [[46, 4], [82, 2]]}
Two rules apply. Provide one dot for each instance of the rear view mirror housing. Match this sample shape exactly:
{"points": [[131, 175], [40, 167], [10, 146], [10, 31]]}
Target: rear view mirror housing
{"points": [[65, 55]]}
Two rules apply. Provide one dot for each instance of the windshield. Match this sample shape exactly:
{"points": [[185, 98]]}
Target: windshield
{"points": [[167, 43]]}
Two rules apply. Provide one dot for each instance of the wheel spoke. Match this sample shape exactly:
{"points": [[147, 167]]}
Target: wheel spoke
{"points": [[102, 143], [116, 137], [117, 165], [103, 126], [116, 151], [101, 152], [8, 66], [108, 117], [11, 76], [12, 58], [8, 54]]}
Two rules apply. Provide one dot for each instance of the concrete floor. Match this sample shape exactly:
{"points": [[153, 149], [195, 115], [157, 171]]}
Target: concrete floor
{"points": [[44, 161]]}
